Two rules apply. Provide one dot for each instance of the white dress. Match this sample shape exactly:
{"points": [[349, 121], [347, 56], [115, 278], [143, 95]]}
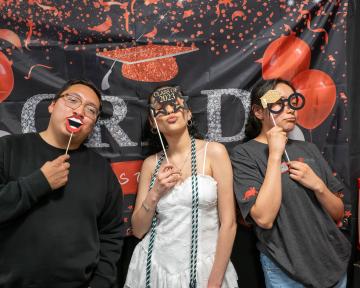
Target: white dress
{"points": [[171, 253]]}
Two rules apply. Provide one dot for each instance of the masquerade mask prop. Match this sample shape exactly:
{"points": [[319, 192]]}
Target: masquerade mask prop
{"points": [[269, 97], [162, 98], [161, 141], [167, 96], [73, 125], [272, 100]]}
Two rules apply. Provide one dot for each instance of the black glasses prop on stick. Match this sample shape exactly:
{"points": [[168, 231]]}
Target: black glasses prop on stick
{"points": [[295, 101], [272, 100]]}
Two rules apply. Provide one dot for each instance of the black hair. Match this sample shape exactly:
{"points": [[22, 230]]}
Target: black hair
{"points": [[151, 135], [73, 82], [253, 126]]}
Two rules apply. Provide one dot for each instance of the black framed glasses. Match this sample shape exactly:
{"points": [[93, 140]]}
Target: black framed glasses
{"points": [[74, 101], [295, 101]]}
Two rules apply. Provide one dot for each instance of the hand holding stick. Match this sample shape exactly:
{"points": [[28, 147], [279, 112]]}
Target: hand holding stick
{"points": [[286, 154]]}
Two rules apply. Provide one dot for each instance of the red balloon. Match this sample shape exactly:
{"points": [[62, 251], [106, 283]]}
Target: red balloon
{"points": [[6, 77], [319, 91], [285, 57]]}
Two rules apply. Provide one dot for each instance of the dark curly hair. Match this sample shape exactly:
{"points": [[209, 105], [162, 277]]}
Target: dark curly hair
{"points": [[253, 125]]}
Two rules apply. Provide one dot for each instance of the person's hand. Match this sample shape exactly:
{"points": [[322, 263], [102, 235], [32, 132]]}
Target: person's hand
{"points": [[302, 173], [166, 179], [277, 139], [56, 172]]}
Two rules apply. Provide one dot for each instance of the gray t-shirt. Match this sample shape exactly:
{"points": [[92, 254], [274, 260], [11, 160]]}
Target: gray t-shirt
{"points": [[304, 240]]}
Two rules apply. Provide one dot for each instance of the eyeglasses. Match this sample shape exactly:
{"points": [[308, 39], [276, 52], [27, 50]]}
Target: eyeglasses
{"points": [[74, 101], [295, 101]]}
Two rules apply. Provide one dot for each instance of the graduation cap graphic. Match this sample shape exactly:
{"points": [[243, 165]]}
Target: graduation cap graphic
{"points": [[146, 63]]}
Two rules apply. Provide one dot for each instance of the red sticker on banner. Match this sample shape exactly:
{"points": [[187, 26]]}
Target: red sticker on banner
{"points": [[128, 175]]}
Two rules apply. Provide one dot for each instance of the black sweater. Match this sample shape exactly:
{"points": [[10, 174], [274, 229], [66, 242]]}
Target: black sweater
{"points": [[65, 238]]}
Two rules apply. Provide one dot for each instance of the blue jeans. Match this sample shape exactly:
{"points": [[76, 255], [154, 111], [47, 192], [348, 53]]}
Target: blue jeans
{"points": [[276, 278]]}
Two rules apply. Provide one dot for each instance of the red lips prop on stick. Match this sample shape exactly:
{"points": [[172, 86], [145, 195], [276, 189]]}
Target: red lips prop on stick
{"points": [[73, 125]]}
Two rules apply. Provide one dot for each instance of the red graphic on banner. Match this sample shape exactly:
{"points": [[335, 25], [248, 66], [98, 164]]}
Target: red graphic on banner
{"points": [[152, 33], [28, 77], [128, 173], [30, 24], [108, 4], [319, 91], [148, 63], [6, 77], [11, 37], [238, 13], [317, 30], [285, 57], [103, 27], [48, 8]]}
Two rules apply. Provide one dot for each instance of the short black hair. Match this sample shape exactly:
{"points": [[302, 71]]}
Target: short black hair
{"points": [[253, 126], [73, 82]]}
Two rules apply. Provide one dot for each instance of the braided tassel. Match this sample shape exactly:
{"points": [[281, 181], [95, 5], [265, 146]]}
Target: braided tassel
{"points": [[194, 220], [194, 215], [153, 227]]}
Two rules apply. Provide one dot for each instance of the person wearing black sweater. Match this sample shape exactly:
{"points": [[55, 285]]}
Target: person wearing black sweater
{"points": [[60, 213]]}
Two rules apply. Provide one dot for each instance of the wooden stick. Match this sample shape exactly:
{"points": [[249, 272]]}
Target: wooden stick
{"points": [[162, 143], [68, 145]]}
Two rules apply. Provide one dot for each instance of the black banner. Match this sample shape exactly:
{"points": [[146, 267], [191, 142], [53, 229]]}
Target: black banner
{"points": [[214, 50]]}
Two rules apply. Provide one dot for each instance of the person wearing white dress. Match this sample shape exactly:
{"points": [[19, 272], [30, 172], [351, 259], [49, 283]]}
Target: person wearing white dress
{"points": [[184, 207]]}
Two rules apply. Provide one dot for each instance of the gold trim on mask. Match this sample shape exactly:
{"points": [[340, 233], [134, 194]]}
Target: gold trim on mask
{"points": [[269, 97]]}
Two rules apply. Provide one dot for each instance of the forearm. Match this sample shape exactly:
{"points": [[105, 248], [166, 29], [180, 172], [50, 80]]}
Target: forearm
{"points": [[331, 203], [143, 215], [17, 197], [268, 201], [223, 251]]}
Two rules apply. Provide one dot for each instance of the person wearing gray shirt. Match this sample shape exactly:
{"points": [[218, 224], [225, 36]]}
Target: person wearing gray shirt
{"points": [[293, 205]]}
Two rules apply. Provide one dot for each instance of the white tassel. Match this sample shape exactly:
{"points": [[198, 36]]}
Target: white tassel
{"points": [[105, 81]]}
